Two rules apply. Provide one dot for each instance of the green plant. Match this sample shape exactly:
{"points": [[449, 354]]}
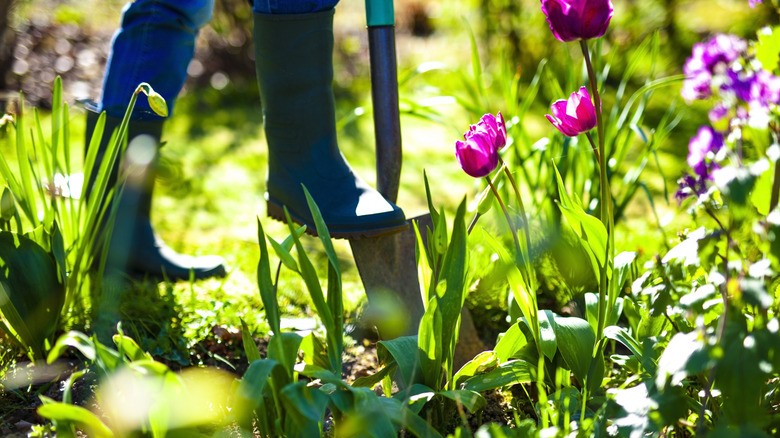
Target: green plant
{"points": [[50, 224]]}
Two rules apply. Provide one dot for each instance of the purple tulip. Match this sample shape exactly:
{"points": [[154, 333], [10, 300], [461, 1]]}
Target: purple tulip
{"points": [[572, 20], [574, 116], [478, 155]]}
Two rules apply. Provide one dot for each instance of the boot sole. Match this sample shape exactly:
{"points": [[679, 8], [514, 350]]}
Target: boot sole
{"points": [[276, 211]]}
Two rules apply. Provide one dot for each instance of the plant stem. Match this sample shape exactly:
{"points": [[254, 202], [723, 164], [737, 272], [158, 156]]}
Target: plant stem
{"points": [[508, 219], [775, 188], [594, 147], [606, 195], [527, 254]]}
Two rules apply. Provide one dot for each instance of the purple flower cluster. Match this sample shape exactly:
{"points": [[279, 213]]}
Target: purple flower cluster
{"points": [[478, 155], [717, 67], [721, 68], [701, 157], [709, 59]]}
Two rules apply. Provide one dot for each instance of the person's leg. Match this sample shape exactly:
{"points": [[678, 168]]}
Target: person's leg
{"points": [[294, 58], [155, 45]]}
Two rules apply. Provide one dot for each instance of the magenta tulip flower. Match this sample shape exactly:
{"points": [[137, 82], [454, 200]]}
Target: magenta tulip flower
{"points": [[572, 20], [574, 116], [478, 155]]}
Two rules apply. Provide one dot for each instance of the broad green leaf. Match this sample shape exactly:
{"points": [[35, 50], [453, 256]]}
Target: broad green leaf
{"points": [[365, 416], [590, 230], [575, 340], [473, 401], [130, 348], [621, 335], [547, 333], [250, 348], [250, 394], [305, 407], [415, 396], [69, 413], [403, 417], [430, 343], [403, 351], [454, 271], [524, 297], [686, 354], [372, 380], [34, 294], [506, 374], [481, 363], [314, 351], [510, 343], [283, 348]]}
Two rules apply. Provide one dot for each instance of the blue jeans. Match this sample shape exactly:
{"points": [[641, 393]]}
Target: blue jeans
{"points": [[155, 44]]}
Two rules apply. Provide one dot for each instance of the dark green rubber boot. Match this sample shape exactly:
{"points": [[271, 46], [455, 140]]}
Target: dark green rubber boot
{"points": [[294, 56], [134, 247]]}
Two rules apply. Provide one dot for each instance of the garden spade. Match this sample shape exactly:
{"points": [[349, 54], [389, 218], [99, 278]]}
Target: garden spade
{"points": [[387, 264]]}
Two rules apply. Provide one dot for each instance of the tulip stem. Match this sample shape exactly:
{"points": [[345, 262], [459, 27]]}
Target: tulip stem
{"points": [[508, 219], [606, 195], [594, 147], [526, 255]]}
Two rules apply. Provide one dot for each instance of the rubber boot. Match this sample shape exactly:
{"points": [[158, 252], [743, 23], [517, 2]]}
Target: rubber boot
{"points": [[294, 57], [134, 247]]}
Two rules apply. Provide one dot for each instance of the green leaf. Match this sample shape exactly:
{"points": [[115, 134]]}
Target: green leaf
{"points": [[768, 48], [283, 348], [473, 401], [481, 363], [547, 332], [506, 374], [251, 391], [314, 351], [510, 343], [311, 279], [62, 412], [284, 255], [130, 348], [250, 348], [34, 296], [305, 409], [402, 350], [372, 380], [621, 335], [575, 340], [590, 230], [431, 345], [264, 282]]}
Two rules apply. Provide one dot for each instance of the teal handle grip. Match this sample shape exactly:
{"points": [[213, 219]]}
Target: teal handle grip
{"points": [[380, 13]]}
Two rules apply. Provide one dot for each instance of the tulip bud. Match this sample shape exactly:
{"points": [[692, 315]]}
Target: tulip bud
{"points": [[572, 20], [478, 155], [574, 116]]}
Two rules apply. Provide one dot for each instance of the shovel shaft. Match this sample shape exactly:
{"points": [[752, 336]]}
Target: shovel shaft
{"points": [[387, 123]]}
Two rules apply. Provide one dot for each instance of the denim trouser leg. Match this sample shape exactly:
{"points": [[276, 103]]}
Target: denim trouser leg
{"points": [[154, 44]]}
